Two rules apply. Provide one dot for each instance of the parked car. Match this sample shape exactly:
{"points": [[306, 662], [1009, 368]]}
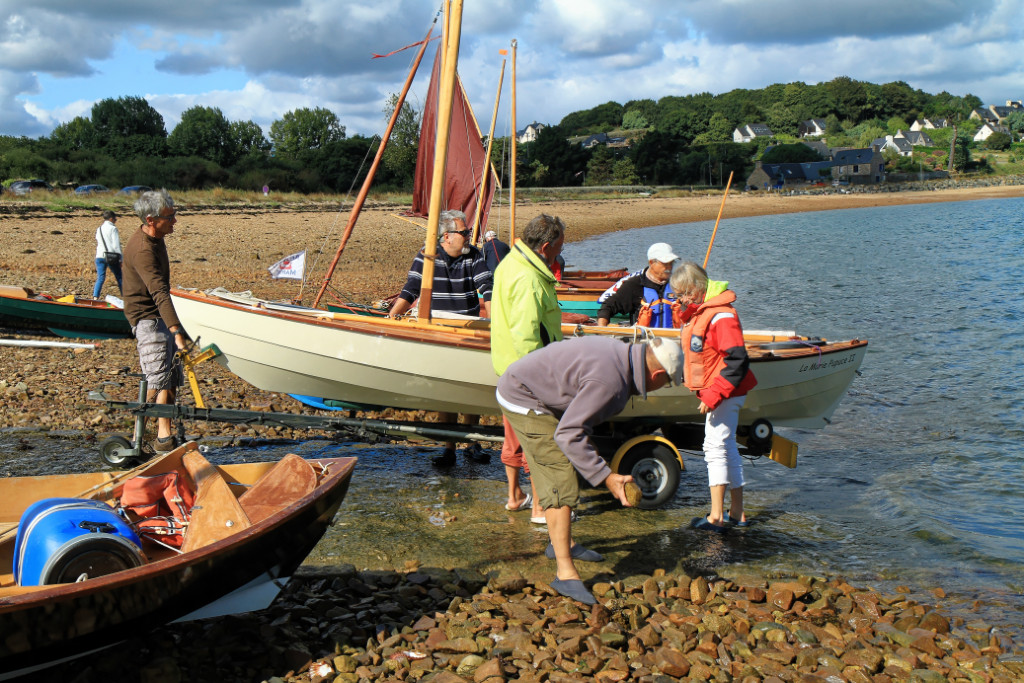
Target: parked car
{"points": [[26, 186], [134, 189], [90, 189]]}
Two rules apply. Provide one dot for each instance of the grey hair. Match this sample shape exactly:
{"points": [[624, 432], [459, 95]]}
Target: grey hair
{"points": [[543, 229], [446, 223], [152, 203], [688, 277]]}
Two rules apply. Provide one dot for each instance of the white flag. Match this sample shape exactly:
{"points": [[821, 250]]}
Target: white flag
{"points": [[290, 267]]}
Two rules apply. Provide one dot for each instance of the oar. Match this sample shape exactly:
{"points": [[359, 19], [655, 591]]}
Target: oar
{"points": [[721, 208]]}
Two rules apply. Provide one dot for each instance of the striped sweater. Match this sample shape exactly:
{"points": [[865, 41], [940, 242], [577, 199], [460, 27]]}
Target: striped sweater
{"points": [[459, 282]]}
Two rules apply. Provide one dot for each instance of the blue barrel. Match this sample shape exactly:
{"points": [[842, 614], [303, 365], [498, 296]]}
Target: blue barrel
{"points": [[63, 540]]}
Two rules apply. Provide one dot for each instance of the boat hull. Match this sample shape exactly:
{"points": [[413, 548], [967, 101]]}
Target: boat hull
{"points": [[422, 367], [52, 623], [82, 319]]}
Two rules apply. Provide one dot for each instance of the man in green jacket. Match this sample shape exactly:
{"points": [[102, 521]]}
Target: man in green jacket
{"points": [[525, 316]]}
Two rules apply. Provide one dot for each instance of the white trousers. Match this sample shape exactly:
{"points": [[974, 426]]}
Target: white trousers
{"points": [[722, 455]]}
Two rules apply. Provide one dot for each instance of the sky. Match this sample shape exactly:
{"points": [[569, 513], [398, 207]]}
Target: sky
{"points": [[259, 59]]}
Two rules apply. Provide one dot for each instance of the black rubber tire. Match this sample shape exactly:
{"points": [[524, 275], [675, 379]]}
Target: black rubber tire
{"points": [[655, 469], [111, 449]]}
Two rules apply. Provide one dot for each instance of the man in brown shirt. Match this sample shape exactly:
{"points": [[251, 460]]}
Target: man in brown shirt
{"points": [[148, 306]]}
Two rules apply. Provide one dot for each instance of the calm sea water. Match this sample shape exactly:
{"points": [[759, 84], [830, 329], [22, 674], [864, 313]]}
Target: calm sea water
{"points": [[920, 473]]}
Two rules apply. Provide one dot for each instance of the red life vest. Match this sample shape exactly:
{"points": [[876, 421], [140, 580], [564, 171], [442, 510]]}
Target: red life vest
{"points": [[701, 368]]}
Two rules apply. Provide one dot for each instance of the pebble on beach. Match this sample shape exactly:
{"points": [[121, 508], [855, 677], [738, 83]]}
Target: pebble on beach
{"points": [[345, 626]]}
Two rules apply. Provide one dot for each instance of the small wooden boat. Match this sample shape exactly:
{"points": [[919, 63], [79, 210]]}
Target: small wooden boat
{"points": [[251, 526], [71, 316]]}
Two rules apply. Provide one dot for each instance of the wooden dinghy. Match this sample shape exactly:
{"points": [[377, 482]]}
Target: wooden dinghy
{"points": [[250, 527], [71, 316]]}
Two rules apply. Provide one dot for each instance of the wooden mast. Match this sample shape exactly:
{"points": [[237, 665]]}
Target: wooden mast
{"points": [[512, 160], [357, 207], [487, 157], [453, 31], [715, 231]]}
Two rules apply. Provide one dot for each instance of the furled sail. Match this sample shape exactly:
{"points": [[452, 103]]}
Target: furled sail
{"points": [[467, 169]]}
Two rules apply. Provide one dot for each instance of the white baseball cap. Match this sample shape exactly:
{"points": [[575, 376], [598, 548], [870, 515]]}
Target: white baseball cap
{"points": [[670, 354], [490, 235], [661, 251]]}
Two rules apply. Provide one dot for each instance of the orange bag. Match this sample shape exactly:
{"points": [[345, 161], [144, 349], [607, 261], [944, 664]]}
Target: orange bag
{"points": [[158, 495]]}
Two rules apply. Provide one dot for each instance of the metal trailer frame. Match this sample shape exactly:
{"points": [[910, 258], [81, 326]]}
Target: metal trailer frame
{"points": [[632, 447]]}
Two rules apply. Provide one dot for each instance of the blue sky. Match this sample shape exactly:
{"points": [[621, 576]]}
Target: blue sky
{"points": [[258, 59]]}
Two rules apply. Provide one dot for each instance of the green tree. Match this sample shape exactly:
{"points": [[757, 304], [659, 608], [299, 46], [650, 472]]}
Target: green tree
{"points": [[304, 130], [634, 119], [78, 133], [999, 141], [600, 168], [790, 154], [125, 117], [850, 96], [248, 139], [400, 153], [781, 119], [203, 132], [565, 163], [896, 124], [623, 173], [599, 119], [1015, 122]]}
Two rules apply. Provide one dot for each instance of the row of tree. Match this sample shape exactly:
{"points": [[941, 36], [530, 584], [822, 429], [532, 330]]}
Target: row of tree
{"points": [[675, 140]]}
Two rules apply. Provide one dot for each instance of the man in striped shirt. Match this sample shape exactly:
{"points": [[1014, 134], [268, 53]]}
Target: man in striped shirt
{"points": [[462, 280]]}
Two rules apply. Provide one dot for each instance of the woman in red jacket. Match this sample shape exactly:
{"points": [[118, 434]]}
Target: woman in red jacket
{"points": [[717, 369]]}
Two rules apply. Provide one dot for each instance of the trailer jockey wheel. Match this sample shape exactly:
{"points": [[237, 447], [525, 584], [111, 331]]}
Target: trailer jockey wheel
{"points": [[116, 451], [759, 436], [655, 468]]}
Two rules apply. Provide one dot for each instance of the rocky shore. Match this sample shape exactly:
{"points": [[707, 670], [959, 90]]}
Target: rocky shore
{"points": [[344, 626]]}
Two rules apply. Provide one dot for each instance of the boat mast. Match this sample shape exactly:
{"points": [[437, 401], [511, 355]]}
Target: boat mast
{"points": [[512, 160], [715, 231], [357, 207], [452, 33], [487, 156]]}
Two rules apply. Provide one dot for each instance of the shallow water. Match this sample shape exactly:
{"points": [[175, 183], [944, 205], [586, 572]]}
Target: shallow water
{"points": [[917, 481]]}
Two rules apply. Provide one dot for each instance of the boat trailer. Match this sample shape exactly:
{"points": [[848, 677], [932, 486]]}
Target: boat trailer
{"points": [[633, 447]]}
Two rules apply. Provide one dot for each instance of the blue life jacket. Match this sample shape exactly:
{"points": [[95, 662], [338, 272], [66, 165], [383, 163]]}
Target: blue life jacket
{"points": [[661, 305]]}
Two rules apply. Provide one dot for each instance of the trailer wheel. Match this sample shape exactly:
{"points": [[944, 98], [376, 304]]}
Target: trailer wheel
{"points": [[116, 451], [655, 469]]}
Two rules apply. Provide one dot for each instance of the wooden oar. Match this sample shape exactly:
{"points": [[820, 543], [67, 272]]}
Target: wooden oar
{"points": [[720, 209]]}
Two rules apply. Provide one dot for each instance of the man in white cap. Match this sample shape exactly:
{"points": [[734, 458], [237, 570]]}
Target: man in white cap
{"points": [[645, 297], [494, 249]]}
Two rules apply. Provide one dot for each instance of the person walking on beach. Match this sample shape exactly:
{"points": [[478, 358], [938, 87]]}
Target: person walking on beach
{"points": [[148, 306], [525, 316], [645, 297], [462, 285], [554, 397], [718, 370], [108, 253]]}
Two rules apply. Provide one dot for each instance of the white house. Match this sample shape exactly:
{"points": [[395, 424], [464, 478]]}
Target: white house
{"points": [[529, 134], [811, 128], [750, 131], [987, 129]]}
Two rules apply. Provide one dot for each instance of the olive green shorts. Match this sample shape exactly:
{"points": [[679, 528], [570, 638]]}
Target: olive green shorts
{"points": [[553, 475]]}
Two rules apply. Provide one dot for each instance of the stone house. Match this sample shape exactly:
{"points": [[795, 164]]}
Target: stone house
{"points": [[595, 140], [859, 166]]}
